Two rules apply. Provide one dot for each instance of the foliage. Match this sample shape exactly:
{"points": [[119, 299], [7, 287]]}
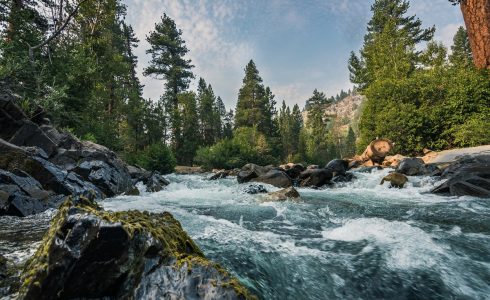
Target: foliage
{"points": [[248, 145], [421, 99], [155, 157]]}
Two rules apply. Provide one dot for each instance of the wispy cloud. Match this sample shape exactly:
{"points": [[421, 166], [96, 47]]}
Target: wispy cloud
{"points": [[217, 56]]}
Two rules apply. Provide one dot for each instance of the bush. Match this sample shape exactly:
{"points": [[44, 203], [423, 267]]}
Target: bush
{"points": [[247, 146], [156, 157]]}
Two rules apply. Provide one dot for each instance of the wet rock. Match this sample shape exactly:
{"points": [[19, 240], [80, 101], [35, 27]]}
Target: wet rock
{"points": [[285, 194], [9, 280], [107, 178], [347, 177], [250, 171], [220, 174], [11, 115], [411, 166], [91, 253], [469, 176], [312, 167], [138, 174], [156, 182], [396, 180], [276, 178], [338, 166], [368, 169], [255, 189], [294, 170], [315, 177]]}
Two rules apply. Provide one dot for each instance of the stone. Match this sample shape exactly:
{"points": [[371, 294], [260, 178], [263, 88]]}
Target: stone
{"points": [[468, 176], [396, 180], [250, 171], [315, 177], [219, 175], [393, 160], [276, 178], [347, 177], [338, 166], [110, 180], [156, 182], [29, 134], [294, 170], [255, 189], [411, 166], [289, 193], [90, 253]]}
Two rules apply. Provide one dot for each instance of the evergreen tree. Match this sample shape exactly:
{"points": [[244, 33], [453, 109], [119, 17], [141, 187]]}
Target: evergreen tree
{"points": [[350, 143], [189, 140], [168, 50], [253, 108], [391, 30], [221, 114], [228, 125], [317, 100], [461, 50], [207, 113]]}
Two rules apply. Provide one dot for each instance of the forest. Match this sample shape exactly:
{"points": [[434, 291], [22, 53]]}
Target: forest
{"points": [[76, 61]]}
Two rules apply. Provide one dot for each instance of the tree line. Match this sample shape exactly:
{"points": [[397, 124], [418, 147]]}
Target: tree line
{"points": [[76, 59]]}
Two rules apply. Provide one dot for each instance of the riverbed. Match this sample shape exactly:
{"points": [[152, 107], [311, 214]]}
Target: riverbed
{"points": [[357, 240]]}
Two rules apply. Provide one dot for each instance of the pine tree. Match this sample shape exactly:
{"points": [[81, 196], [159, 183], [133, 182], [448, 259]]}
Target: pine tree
{"points": [[350, 143], [168, 62], [461, 50], [389, 29], [253, 103], [189, 141], [209, 126], [228, 125]]}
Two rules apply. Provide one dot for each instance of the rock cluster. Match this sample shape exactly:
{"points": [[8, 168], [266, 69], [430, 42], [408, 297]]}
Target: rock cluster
{"points": [[40, 166]]}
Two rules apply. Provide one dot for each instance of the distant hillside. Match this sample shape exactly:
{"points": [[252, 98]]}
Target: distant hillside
{"points": [[343, 113]]}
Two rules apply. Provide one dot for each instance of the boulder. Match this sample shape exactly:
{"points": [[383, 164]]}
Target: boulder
{"points": [[393, 160], [289, 193], [29, 134], [294, 170], [313, 167], [138, 174], [155, 183], [50, 176], [90, 253], [396, 180], [411, 166], [11, 116], [276, 178], [220, 174], [315, 177], [338, 166], [469, 176], [110, 180], [8, 278], [250, 171], [255, 189]]}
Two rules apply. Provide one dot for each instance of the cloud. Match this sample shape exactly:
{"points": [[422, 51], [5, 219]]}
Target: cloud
{"points": [[446, 34], [218, 56]]}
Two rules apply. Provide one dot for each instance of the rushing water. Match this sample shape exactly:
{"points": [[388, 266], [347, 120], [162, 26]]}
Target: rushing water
{"points": [[355, 241]]}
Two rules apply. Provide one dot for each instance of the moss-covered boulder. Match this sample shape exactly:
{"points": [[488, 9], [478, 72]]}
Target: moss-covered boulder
{"points": [[92, 253]]}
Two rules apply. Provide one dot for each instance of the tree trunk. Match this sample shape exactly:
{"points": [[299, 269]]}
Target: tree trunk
{"points": [[476, 14]]}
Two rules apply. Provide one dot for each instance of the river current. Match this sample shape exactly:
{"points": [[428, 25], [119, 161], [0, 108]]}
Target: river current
{"points": [[357, 240]]}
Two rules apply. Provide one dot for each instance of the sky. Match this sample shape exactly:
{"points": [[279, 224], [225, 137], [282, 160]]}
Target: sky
{"points": [[297, 45]]}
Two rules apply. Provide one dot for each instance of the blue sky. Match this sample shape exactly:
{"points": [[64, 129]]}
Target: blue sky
{"points": [[297, 45]]}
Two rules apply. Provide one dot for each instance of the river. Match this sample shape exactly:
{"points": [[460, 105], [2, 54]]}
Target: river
{"points": [[358, 240]]}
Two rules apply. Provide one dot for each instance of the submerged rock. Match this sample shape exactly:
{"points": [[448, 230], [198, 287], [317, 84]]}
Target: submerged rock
{"points": [[220, 174], [282, 195], [250, 171], [91, 253], [395, 179], [469, 176]]}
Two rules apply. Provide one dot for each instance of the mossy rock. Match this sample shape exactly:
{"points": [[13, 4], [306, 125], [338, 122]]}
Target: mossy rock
{"points": [[92, 253]]}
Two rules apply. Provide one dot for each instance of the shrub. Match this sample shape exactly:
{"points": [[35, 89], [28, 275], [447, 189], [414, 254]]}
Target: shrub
{"points": [[156, 157]]}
